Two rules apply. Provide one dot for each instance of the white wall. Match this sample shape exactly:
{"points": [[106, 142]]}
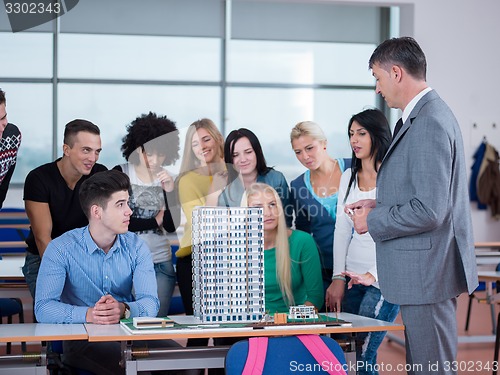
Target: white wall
{"points": [[461, 39], [462, 42]]}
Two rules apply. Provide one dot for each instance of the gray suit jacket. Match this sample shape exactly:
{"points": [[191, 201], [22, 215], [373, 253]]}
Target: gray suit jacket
{"points": [[422, 224]]}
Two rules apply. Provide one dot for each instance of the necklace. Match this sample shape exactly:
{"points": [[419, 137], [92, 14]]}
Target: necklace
{"points": [[323, 191]]}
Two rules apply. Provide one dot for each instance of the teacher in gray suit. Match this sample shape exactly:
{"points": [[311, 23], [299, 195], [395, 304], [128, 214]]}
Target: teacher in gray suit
{"points": [[421, 220]]}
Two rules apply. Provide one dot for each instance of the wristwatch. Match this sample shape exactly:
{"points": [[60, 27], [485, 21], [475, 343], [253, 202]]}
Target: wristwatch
{"points": [[126, 312]]}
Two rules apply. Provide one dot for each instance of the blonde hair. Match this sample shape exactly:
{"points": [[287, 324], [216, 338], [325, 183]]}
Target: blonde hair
{"points": [[189, 159], [307, 128], [283, 261]]}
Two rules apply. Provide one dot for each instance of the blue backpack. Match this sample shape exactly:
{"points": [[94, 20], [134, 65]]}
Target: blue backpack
{"points": [[283, 355]]}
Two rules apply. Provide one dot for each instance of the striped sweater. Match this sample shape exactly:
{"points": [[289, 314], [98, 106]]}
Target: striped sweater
{"points": [[9, 146]]}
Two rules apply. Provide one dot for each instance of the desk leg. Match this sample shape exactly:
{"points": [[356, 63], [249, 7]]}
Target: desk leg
{"points": [[493, 320], [131, 368], [173, 358], [127, 362], [348, 346], [350, 358], [497, 344], [491, 301]]}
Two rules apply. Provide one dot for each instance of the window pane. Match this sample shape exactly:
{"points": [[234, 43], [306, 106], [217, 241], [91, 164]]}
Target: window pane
{"points": [[26, 55], [302, 63], [313, 21], [113, 107], [29, 106], [272, 113], [146, 17], [139, 57]]}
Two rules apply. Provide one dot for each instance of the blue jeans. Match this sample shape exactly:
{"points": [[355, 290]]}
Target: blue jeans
{"points": [[368, 301], [165, 278], [30, 272]]}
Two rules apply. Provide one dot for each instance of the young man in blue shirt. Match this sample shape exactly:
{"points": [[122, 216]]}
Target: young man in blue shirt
{"points": [[97, 274]]}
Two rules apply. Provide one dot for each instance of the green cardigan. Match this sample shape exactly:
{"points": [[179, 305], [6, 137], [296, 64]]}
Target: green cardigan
{"points": [[307, 284]]}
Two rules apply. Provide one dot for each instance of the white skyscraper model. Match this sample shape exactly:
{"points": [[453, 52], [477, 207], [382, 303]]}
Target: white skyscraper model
{"points": [[228, 264]]}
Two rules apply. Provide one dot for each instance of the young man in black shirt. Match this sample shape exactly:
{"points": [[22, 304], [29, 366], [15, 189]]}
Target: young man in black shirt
{"points": [[51, 193]]}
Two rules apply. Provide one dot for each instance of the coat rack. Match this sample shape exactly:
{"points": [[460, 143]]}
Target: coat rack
{"points": [[484, 131]]}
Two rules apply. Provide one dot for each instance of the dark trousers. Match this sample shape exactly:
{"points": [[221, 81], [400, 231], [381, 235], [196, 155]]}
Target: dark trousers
{"points": [[103, 358]]}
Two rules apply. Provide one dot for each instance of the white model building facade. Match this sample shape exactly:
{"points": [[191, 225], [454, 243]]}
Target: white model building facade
{"points": [[228, 264], [302, 312]]}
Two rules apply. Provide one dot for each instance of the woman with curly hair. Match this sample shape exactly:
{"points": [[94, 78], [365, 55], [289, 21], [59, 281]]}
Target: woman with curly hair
{"points": [[151, 143]]}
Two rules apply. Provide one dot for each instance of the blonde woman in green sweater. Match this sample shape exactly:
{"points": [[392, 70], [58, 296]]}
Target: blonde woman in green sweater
{"points": [[292, 269]]}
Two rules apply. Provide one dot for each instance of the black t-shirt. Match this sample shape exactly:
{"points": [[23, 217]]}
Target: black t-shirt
{"points": [[45, 184]]}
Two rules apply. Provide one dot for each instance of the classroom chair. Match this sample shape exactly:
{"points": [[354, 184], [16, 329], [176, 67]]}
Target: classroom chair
{"points": [[10, 307]]}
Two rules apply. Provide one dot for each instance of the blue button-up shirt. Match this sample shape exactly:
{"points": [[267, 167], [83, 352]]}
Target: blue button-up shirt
{"points": [[75, 273]]}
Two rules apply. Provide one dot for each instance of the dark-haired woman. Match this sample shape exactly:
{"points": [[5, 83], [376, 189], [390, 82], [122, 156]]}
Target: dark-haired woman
{"points": [[354, 254], [151, 143], [242, 149]]}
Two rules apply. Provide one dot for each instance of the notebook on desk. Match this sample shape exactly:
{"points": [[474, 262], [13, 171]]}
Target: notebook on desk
{"points": [[181, 324]]}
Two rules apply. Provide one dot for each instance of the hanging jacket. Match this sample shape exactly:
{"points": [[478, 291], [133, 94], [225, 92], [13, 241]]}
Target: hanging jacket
{"points": [[488, 189], [478, 159]]}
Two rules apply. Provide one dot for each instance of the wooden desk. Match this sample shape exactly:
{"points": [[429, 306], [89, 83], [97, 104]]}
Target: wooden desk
{"points": [[487, 245], [42, 332], [359, 324], [11, 244], [489, 276], [487, 254], [213, 357], [35, 363], [18, 220], [161, 358], [15, 226], [492, 297], [13, 215], [10, 265]]}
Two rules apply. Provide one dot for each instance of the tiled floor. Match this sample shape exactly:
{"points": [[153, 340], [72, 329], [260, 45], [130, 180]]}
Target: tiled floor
{"points": [[473, 358]]}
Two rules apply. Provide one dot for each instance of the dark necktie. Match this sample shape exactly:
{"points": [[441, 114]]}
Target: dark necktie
{"points": [[398, 127]]}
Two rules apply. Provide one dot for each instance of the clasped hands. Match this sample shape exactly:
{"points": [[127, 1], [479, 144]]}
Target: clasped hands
{"points": [[358, 212], [106, 311]]}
